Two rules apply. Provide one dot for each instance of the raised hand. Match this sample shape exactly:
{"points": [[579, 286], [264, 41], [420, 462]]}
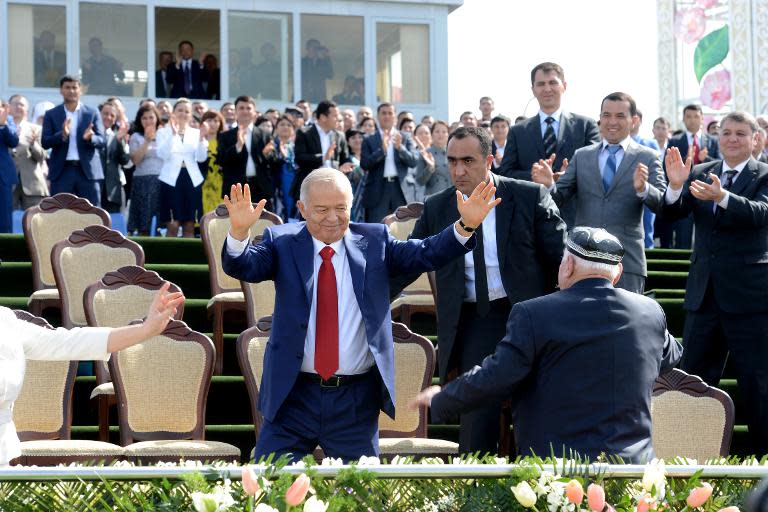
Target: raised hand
{"points": [[88, 133], [542, 173], [429, 158], [640, 178], [331, 151], [706, 191], [398, 140], [703, 154], [424, 398], [498, 157], [150, 133], [474, 209], [242, 133], [203, 130], [269, 148], [242, 213], [3, 115], [677, 170], [162, 309], [122, 132], [65, 128]]}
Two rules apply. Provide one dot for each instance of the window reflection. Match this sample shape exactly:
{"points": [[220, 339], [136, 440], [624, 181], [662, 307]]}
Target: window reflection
{"points": [[402, 63], [37, 34]]}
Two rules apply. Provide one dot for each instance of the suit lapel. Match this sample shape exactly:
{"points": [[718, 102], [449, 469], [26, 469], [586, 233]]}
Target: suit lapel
{"points": [[303, 256], [316, 138], [356, 246], [630, 155], [534, 131], [504, 212], [563, 131], [746, 176]]}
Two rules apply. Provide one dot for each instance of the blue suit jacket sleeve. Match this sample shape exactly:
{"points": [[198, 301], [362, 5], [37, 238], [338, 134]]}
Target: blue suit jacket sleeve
{"points": [[9, 134], [417, 256], [257, 263]]}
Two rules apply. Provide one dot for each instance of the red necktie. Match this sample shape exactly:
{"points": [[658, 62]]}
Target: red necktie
{"points": [[696, 149], [327, 318]]}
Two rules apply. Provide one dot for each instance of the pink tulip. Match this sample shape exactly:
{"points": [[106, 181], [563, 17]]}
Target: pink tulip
{"points": [[596, 497], [297, 491], [250, 482], [574, 491], [644, 504], [699, 495], [716, 89], [729, 509]]}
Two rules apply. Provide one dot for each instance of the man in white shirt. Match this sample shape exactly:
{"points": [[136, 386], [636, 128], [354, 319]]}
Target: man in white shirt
{"points": [[499, 129], [329, 365], [727, 314]]}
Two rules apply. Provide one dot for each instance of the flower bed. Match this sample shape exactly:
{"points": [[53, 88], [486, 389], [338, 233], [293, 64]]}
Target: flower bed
{"points": [[430, 485]]}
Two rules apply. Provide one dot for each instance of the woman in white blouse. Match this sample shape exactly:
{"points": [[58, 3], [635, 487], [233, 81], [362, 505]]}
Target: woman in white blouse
{"points": [[181, 147], [20, 340]]}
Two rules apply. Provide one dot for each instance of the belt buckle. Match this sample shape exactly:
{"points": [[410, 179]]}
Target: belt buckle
{"points": [[333, 382]]}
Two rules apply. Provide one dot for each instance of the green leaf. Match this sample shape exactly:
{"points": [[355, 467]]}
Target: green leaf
{"points": [[710, 51]]}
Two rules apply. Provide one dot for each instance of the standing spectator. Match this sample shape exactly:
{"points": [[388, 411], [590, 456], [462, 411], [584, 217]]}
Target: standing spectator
{"points": [[713, 128], [113, 156], [38, 113], [349, 95], [241, 151], [428, 120], [101, 73], [432, 170], [285, 167], [364, 113], [499, 130], [758, 151], [387, 155], [265, 124], [649, 217], [199, 108], [72, 131], [349, 119], [297, 116], [267, 74], [230, 118], [162, 84], [320, 145], [661, 134], [357, 176], [422, 136], [306, 111], [316, 68], [28, 156], [50, 64], [273, 115], [212, 83], [212, 186], [367, 126], [412, 191], [181, 147], [164, 110], [186, 74], [468, 119], [486, 109], [8, 175], [145, 190]]}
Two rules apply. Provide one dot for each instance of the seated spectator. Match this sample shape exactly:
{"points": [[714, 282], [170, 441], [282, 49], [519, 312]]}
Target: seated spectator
{"points": [[114, 154], [214, 179], [101, 73], [145, 189]]}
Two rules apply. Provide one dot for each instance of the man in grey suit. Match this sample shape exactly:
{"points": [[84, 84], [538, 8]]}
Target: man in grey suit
{"points": [[610, 181], [28, 156]]}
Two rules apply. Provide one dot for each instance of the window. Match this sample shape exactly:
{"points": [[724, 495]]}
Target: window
{"points": [[260, 56], [332, 59], [38, 36], [402, 63], [113, 49], [198, 76]]}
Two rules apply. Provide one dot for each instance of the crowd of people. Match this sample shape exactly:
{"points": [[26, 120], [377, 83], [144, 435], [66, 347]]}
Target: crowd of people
{"points": [[551, 172]]}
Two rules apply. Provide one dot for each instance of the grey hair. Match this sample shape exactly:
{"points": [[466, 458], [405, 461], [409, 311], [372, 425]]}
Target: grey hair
{"points": [[326, 175], [740, 117], [608, 270]]}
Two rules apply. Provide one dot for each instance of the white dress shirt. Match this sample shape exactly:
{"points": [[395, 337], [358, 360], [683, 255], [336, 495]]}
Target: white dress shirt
{"points": [[250, 164], [20, 341], [325, 144], [491, 256], [390, 169], [554, 115], [500, 149], [671, 196], [72, 153]]}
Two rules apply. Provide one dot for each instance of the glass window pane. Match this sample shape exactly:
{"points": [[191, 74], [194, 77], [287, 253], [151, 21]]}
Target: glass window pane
{"points": [[113, 49], [402, 63], [38, 36], [260, 55], [332, 59], [201, 28]]}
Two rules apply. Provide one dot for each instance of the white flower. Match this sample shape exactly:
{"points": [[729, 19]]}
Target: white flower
{"points": [[524, 494], [654, 477], [299, 464], [500, 460], [330, 461], [368, 461], [315, 505], [217, 501], [263, 507], [399, 460]]}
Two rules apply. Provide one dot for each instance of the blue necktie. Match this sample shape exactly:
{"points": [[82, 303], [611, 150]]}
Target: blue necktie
{"points": [[609, 171], [188, 78]]}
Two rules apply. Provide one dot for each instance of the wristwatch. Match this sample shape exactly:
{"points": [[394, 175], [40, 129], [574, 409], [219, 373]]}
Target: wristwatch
{"points": [[465, 227]]}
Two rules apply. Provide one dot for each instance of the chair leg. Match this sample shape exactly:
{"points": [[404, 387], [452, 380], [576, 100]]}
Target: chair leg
{"points": [[218, 338], [103, 418]]}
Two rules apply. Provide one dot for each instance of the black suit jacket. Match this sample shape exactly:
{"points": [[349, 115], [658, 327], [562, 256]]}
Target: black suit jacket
{"points": [[176, 77], [309, 154], [530, 237], [580, 364], [525, 145], [233, 162], [731, 247], [160, 88]]}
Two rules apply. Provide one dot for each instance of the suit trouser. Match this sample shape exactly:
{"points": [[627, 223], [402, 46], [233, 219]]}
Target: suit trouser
{"points": [[712, 335], [74, 181], [391, 198], [21, 201], [476, 338], [682, 230]]}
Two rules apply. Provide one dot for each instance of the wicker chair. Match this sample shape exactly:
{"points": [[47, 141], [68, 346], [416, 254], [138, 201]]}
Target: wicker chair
{"points": [[43, 414], [690, 418], [117, 299], [416, 297], [162, 387], [259, 300], [45, 224], [226, 292], [414, 364]]}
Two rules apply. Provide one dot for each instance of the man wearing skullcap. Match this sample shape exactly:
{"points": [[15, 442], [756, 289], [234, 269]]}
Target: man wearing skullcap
{"points": [[579, 364]]}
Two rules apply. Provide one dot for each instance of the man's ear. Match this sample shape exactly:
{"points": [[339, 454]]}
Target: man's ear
{"points": [[618, 276], [302, 208]]}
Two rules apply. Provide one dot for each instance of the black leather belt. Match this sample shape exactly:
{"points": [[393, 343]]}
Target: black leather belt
{"points": [[72, 162], [334, 381], [390, 179]]}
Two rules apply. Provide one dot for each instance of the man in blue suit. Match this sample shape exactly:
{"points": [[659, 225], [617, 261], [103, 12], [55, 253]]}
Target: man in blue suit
{"points": [[186, 74], [9, 139], [386, 155], [580, 382], [73, 132], [329, 365]]}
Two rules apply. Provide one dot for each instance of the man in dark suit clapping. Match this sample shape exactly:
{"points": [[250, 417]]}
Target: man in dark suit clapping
{"points": [[186, 74]]}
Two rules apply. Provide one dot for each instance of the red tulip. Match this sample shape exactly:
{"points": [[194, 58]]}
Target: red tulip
{"points": [[574, 491], [699, 495], [297, 491], [596, 497]]}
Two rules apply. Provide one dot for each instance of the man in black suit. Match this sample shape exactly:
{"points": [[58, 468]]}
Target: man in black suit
{"points": [[186, 74], [50, 64], [701, 147], [320, 145], [725, 297], [553, 134], [579, 364], [162, 84], [244, 153], [519, 248]]}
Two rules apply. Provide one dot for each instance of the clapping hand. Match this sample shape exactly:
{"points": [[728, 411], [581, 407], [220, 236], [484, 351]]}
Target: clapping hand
{"points": [[269, 148], [703, 154], [424, 398], [397, 139], [474, 209], [429, 158], [706, 191], [122, 131], [242, 133], [88, 133], [640, 178], [242, 213], [65, 128], [3, 115], [542, 173], [677, 170], [203, 130], [498, 157], [331, 151], [162, 309]]}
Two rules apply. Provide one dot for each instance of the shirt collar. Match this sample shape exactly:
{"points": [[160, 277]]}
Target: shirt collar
{"points": [[738, 168], [624, 143], [337, 246], [322, 132], [383, 133], [77, 108], [554, 115], [691, 134]]}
